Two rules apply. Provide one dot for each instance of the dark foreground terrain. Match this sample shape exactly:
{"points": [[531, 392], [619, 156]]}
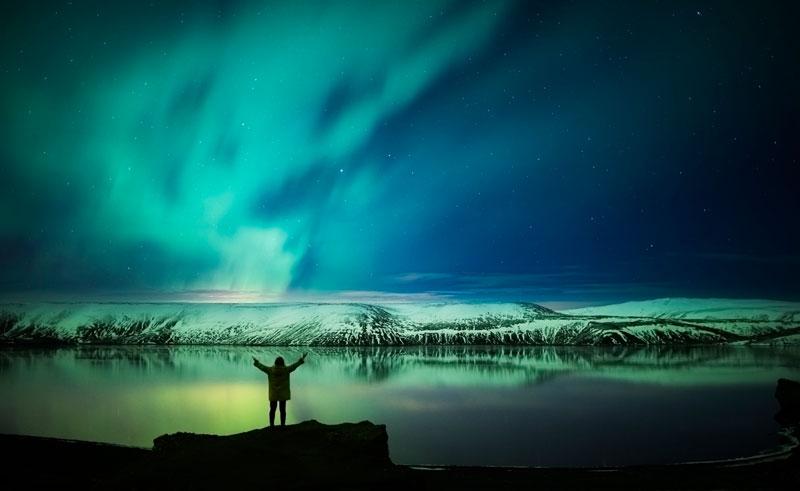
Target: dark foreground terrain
{"points": [[345, 456], [356, 456]]}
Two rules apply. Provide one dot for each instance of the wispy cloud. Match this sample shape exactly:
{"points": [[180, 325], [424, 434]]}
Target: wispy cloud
{"points": [[570, 286], [415, 277]]}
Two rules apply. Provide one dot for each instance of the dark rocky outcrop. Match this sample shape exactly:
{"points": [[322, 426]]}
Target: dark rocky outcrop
{"points": [[308, 452], [32, 462], [787, 393], [311, 455]]}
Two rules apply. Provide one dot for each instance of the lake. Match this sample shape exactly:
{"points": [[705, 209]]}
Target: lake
{"points": [[517, 406]]}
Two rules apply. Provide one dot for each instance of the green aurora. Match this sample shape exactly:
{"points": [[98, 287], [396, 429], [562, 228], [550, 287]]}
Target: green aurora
{"points": [[588, 151]]}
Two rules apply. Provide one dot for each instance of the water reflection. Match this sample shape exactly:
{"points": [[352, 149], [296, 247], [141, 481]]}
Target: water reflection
{"points": [[379, 364], [442, 404]]}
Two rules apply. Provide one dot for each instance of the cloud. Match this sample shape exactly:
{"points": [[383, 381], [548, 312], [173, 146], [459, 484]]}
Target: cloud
{"points": [[416, 277], [567, 285]]}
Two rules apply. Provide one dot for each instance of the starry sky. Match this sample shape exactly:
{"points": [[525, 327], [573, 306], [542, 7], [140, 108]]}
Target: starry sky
{"points": [[564, 151]]}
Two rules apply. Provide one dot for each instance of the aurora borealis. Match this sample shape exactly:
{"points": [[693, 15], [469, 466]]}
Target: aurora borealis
{"points": [[540, 150]]}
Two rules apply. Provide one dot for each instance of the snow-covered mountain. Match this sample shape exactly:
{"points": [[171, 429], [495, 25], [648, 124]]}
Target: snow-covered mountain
{"points": [[699, 308], [663, 321]]}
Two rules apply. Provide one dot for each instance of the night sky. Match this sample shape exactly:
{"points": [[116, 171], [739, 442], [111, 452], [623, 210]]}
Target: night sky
{"points": [[563, 151]]}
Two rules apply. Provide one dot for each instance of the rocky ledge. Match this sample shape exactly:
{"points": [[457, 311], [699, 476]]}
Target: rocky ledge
{"points": [[307, 453]]}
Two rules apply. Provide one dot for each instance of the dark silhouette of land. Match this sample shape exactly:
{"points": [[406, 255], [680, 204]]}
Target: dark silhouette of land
{"points": [[346, 456], [356, 456]]}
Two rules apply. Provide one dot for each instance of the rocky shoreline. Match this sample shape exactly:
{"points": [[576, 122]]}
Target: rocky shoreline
{"points": [[344, 456]]}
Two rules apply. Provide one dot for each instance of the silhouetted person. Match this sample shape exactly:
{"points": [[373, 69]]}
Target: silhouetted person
{"points": [[279, 391]]}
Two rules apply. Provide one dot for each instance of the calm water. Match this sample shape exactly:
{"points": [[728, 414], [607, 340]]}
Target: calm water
{"points": [[442, 405]]}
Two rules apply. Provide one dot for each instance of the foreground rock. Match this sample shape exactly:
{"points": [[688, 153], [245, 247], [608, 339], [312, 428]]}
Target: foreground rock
{"points": [[307, 453], [788, 394], [312, 455]]}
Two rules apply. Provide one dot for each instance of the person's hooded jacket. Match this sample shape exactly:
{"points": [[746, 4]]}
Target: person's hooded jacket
{"points": [[278, 376]]}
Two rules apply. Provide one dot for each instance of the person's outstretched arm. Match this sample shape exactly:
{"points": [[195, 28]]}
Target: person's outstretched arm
{"points": [[260, 365], [296, 364]]}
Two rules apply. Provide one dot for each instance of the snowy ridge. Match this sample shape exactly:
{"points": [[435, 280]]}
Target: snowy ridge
{"points": [[658, 322], [699, 308]]}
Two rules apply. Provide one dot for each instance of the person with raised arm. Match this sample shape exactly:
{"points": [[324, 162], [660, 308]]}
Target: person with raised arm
{"points": [[279, 390]]}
